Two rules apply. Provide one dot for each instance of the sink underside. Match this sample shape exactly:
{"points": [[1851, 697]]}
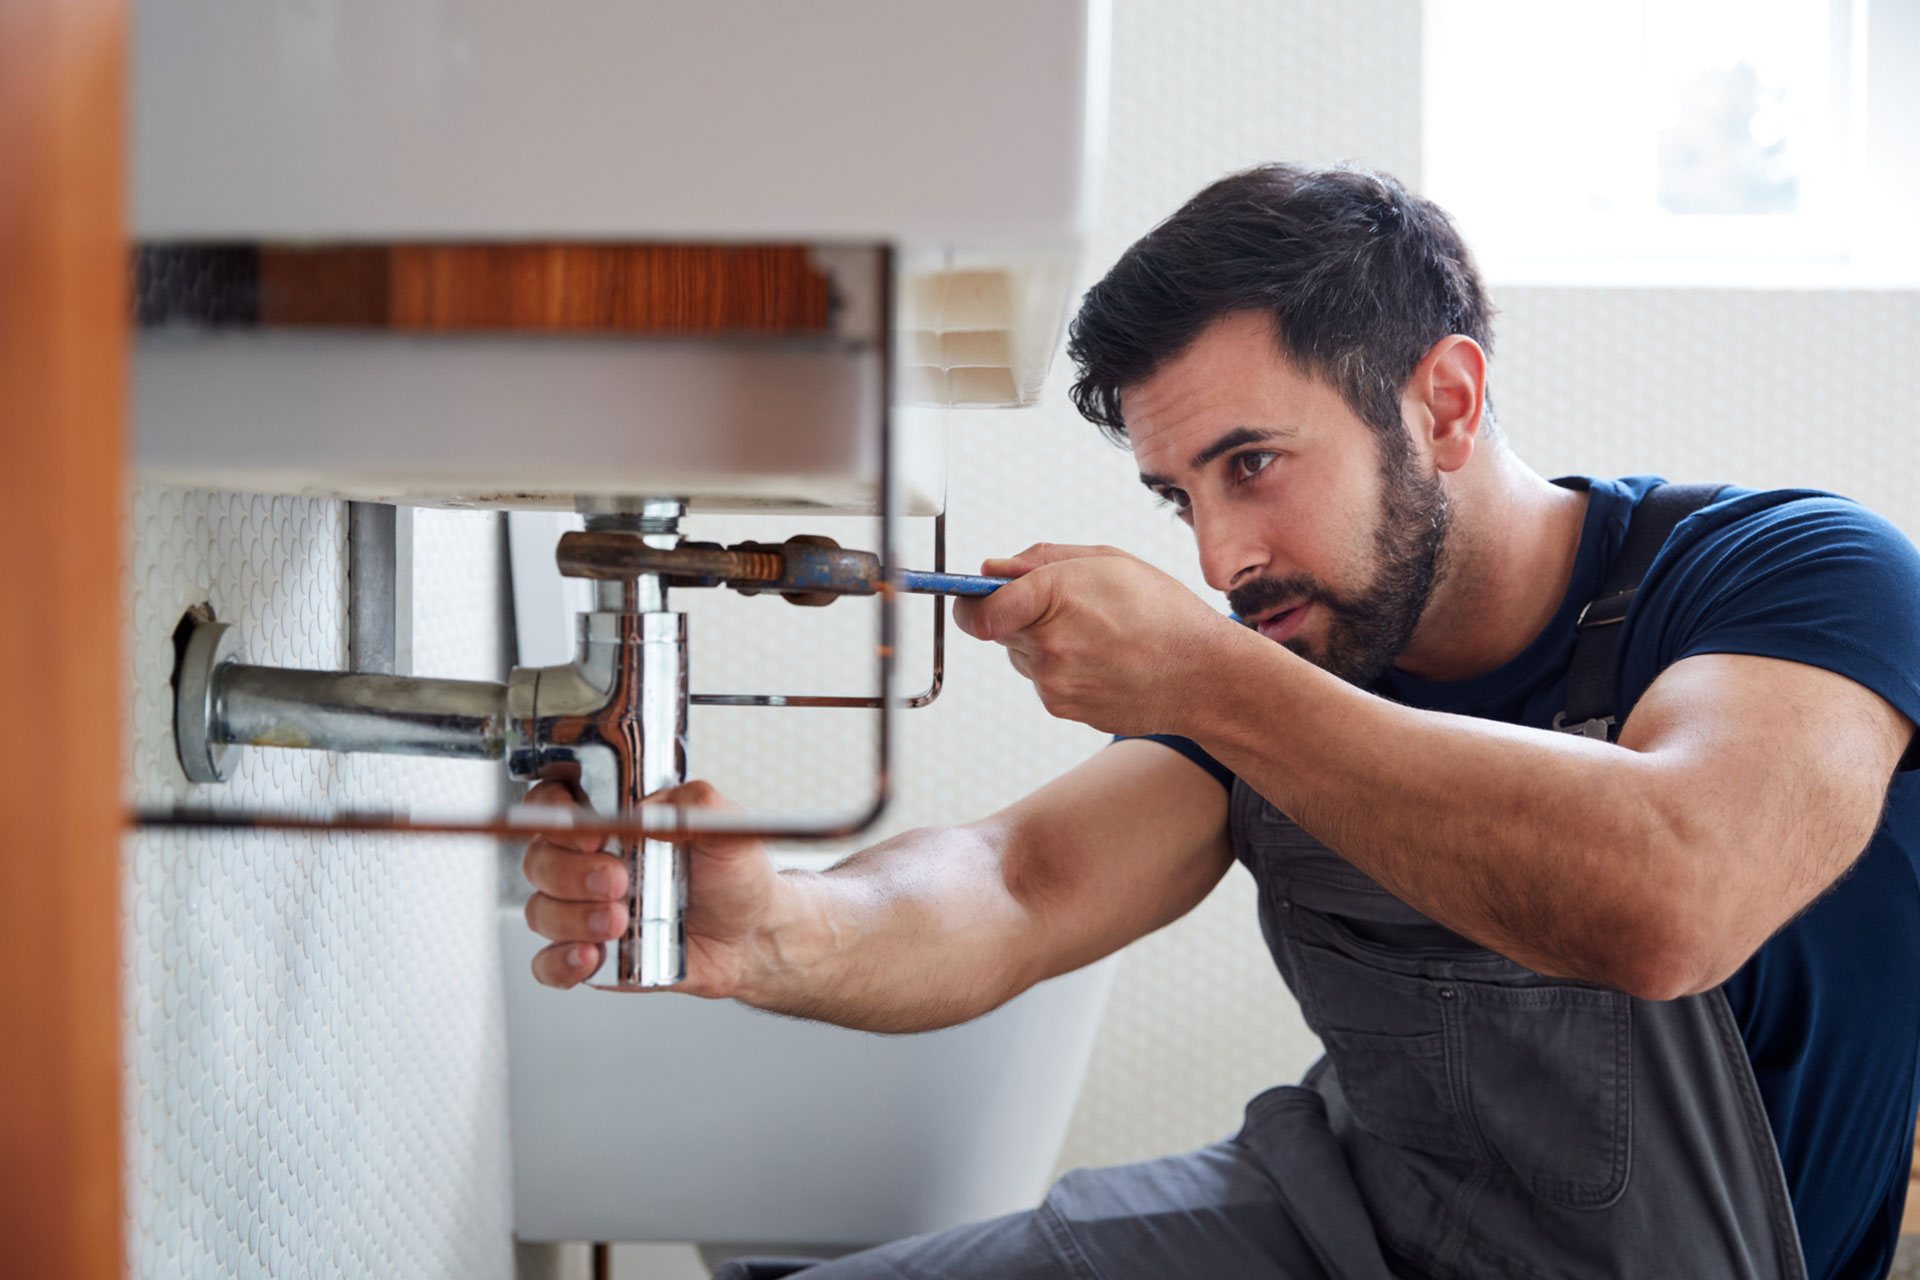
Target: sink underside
{"points": [[519, 422]]}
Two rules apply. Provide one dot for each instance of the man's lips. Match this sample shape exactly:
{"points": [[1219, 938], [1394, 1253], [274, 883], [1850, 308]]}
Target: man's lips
{"points": [[1283, 626]]}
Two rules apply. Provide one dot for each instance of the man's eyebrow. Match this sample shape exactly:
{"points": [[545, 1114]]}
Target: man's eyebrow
{"points": [[1234, 439]]}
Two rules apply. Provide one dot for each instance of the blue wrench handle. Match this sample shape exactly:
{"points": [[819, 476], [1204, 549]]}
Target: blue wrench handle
{"points": [[949, 584]]}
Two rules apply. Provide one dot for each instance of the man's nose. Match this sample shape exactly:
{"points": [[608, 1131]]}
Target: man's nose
{"points": [[1229, 554]]}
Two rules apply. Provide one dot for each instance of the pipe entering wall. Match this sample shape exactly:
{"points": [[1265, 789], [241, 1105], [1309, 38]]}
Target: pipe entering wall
{"points": [[356, 711]]}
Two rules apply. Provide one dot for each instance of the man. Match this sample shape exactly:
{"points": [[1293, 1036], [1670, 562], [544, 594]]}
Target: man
{"points": [[1591, 1008]]}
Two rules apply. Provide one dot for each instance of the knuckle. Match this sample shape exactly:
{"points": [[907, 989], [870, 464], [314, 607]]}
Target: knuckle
{"points": [[539, 851], [603, 876]]}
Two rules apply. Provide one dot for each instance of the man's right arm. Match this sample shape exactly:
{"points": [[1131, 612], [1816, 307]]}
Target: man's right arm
{"points": [[936, 926]]}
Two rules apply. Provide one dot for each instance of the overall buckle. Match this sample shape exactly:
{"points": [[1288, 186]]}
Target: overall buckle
{"points": [[1599, 728]]}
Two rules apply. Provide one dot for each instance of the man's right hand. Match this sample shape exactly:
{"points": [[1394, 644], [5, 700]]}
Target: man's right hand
{"points": [[580, 895]]}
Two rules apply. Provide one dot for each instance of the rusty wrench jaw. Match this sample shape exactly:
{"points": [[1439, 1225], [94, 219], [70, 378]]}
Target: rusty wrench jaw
{"points": [[807, 569]]}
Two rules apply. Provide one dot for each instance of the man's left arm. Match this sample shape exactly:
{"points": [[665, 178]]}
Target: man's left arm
{"points": [[1740, 789]]}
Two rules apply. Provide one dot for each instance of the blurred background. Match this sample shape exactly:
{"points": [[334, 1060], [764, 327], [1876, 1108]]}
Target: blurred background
{"points": [[1696, 217]]}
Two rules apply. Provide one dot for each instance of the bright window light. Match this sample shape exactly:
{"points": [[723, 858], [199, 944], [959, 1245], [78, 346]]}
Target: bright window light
{"points": [[1662, 141]]}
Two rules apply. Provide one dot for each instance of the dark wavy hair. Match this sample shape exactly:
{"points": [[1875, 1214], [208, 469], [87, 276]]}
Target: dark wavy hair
{"points": [[1360, 276]]}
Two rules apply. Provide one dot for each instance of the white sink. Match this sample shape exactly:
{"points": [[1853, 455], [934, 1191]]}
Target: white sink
{"points": [[666, 1118], [965, 141]]}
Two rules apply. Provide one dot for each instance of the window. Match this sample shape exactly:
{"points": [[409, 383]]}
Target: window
{"points": [[1674, 141]]}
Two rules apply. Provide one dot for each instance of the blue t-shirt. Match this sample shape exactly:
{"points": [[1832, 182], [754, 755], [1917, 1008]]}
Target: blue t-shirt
{"points": [[1829, 1006]]}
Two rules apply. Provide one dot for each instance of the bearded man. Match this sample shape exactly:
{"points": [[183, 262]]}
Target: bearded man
{"points": [[1576, 807]]}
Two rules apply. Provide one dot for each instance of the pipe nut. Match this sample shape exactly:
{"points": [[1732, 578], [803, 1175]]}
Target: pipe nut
{"points": [[204, 755]]}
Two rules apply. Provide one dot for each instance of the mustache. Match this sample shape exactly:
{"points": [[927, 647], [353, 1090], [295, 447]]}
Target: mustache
{"points": [[1250, 599]]}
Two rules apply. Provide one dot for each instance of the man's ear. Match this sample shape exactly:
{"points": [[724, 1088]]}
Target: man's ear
{"points": [[1445, 401]]}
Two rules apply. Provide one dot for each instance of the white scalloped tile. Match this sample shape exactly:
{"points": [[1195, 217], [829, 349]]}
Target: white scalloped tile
{"points": [[1803, 388], [315, 1063]]}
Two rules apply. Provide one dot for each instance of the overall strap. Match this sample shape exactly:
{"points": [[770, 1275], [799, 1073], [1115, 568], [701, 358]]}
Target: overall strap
{"points": [[1590, 709]]}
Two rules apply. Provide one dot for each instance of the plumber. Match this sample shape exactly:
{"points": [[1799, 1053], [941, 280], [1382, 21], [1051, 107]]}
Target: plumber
{"points": [[1575, 806]]}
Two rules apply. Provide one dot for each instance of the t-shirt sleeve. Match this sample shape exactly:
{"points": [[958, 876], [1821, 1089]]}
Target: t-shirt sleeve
{"points": [[1191, 750], [1802, 577]]}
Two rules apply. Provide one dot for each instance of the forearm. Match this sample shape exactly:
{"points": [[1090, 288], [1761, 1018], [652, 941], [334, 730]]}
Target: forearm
{"points": [[914, 933], [1559, 852]]}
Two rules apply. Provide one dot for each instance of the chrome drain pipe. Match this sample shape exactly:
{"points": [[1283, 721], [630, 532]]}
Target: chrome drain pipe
{"points": [[221, 704], [613, 722]]}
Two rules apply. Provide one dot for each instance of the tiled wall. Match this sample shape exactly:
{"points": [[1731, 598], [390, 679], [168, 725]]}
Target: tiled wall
{"points": [[316, 1074]]}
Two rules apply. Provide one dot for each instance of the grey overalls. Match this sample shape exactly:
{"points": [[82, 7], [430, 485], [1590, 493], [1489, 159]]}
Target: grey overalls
{"points": [[1470, 1119], [1494, 1122]]}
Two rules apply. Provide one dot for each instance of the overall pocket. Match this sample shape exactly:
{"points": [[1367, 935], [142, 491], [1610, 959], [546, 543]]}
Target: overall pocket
{"points": [[1533, 1074], [1548, 1069], [1386, 1037]]}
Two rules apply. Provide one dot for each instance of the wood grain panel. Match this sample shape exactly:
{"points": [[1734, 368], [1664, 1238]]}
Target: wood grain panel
{"points": [[348, 286], [662, 289], [62, 444]]}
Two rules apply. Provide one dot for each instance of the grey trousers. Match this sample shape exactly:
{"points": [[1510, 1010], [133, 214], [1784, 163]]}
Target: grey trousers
{"points": [[1274, 1202]]}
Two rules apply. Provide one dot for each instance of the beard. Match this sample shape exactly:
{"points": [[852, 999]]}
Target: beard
{"points": [[1369, 628]]}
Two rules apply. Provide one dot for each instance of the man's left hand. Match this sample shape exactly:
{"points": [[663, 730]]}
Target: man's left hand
{"points": [[1106, 638]]}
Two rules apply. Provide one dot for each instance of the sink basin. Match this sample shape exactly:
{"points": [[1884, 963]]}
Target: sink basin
{"points": [[412, 132], [665, 1118]]}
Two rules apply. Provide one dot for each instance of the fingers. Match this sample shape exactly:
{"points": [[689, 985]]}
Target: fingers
{"points": [[1039, 554], [579, 900], [560, 920], [697, 794], [1012, 608], [1028, 598], [569, 874], [566, 964], [700, 794], [562, 796]]}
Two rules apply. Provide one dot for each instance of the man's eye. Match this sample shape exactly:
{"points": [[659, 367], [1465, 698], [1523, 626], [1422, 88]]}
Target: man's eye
{"points": [[1175, 498], [1248, 465]]}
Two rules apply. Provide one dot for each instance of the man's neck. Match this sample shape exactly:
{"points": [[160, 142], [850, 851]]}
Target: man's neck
{"points": [[1509, 559]]}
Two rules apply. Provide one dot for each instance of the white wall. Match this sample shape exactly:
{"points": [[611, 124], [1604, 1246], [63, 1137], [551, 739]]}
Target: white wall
{"points": [[315, 1070], [1792, 388]]}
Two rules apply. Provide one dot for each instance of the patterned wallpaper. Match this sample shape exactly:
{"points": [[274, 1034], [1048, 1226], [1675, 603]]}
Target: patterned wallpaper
{"points": [[316, 1070]]}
